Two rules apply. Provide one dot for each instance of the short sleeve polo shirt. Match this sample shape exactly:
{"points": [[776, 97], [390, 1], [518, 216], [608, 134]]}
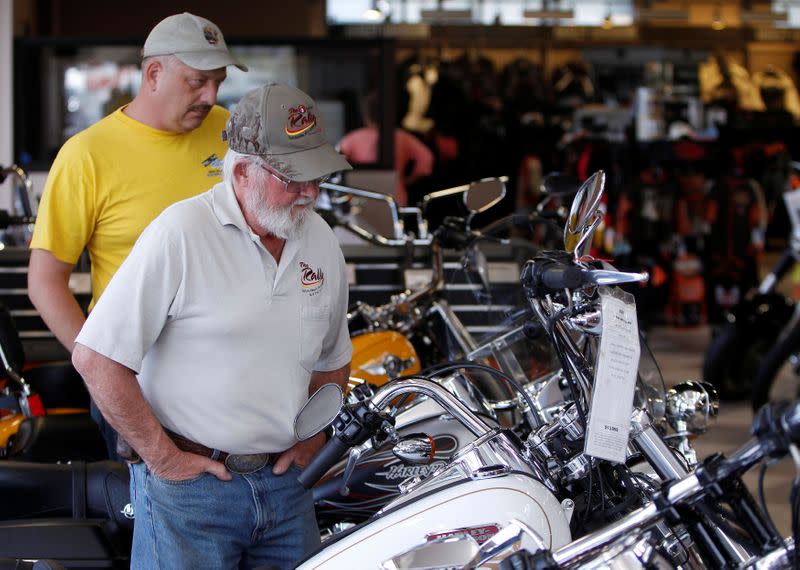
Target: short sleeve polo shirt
{"points": [[223, 338]]}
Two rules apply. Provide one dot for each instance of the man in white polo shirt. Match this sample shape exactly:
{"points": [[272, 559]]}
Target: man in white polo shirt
{"points": [[229, 311]]}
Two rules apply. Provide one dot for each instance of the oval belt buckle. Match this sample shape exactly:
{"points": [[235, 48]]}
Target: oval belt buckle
{"points": [[244, 464]]}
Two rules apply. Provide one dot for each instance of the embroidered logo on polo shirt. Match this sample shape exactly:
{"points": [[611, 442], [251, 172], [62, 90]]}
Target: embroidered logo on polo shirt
{"points": [[311, 280]]}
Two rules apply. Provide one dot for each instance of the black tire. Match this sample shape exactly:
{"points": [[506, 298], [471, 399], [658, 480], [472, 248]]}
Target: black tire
{"points": [[732, 358], [771, 364]]}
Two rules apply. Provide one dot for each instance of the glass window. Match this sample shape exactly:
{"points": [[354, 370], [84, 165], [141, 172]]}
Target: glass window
{"points": [[792, 11], [487, 12], [62, 87]]}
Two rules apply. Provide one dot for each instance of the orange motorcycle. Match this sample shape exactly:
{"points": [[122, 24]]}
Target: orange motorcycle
{"points": [[418, 327]]}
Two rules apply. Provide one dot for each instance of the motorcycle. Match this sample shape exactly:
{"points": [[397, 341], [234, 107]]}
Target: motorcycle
{"points": [[426, 328], [429, 330], [769, 383], [44, 413], [56, 505], [426, 320], [415, 328], [760, 325], [555, 480], [632, 541], [44, 409]]}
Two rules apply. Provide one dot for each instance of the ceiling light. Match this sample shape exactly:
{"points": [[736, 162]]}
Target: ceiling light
{"points": [[716, 20]]}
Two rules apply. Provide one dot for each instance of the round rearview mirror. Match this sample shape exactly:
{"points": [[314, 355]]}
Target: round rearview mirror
{"points": [[318, 412], [483, 194], [582, 218], [560, 185]]}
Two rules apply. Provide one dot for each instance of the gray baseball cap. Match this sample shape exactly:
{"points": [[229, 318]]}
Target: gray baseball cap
{"points": [[195, 41], [282, 124]]}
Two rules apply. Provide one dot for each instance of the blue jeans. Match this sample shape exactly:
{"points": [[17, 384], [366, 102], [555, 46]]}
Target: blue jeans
{"points": [[258, 519]]}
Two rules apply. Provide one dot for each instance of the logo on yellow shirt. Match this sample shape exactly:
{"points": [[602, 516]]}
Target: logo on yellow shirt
{"points": [[214, 164]]}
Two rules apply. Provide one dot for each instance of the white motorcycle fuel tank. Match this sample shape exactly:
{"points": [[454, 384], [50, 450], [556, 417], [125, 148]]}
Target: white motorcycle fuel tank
{"points": [[484, 488]]}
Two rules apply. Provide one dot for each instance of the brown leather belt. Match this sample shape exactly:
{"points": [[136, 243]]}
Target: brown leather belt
{"points": [[236, 462], [241, 463]]}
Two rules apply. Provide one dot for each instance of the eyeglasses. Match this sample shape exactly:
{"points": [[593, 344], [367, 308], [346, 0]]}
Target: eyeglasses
{"points": [[295, 186]]}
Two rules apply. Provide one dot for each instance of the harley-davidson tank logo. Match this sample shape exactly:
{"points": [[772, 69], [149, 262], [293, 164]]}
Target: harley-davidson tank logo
{"points": [[211, 36], [300, 121], [311, 279], [480, 533], [405, 471]]}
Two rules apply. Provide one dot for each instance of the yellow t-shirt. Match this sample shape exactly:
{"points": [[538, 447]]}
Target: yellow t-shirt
{"points": [[111, 180]]}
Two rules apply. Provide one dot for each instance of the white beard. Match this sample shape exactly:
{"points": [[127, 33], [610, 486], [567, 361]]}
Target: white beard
{"points": [[280, 222]]}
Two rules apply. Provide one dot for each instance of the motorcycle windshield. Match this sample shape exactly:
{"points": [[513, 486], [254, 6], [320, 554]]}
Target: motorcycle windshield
{"points": [[522, 350], [650, 392]]}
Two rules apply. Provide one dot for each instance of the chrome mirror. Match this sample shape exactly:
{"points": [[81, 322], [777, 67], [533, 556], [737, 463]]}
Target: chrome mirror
{"points": [[374, 216], [483, 194], [584, 216], [415, 449], [318, 412]]}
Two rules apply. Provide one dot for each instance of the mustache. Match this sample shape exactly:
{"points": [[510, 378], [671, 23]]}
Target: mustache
{"points": [[303, 201], [203, 108]]}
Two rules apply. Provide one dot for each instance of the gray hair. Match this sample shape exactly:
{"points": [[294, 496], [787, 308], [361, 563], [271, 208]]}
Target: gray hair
{"points": [[166, 61], [232, 158]]}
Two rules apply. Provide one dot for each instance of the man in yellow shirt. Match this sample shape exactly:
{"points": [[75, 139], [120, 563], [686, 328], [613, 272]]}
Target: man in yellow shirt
{"points": [[111, 180]]}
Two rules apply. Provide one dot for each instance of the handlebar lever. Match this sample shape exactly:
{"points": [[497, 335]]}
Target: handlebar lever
{"points": [[352, 459], [606, 277]]}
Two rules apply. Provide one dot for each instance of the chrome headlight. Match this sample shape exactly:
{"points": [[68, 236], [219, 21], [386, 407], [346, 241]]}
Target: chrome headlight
{"points": [[691, 406]]}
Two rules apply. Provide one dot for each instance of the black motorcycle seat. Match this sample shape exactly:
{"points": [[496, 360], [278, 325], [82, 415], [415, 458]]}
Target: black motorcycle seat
{"points": [[61, 437], [97, 490], [59, 385]]}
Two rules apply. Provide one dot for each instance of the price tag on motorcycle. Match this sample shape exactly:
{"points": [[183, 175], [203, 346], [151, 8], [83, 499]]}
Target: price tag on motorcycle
{"points": [[615, 377]]}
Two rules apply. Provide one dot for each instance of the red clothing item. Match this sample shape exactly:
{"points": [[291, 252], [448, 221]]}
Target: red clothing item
{"points": [[361, 147]]}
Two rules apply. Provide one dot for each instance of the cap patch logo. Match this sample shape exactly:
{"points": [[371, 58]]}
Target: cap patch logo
{"points": [[311, 280], [211, 35], [300, 121]]}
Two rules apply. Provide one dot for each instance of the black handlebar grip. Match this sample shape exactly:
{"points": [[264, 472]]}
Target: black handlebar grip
{"points": [[790, 422], [327, 457], [557, 277], [778, 422], [524, 560]]}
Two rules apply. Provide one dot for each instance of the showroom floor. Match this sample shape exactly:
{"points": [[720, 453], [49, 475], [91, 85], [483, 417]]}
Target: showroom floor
{"points": [[679, 352]]}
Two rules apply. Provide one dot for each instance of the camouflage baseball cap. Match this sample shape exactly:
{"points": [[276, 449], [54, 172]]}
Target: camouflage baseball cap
{"points": [[195, 41], [282, 125]]}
